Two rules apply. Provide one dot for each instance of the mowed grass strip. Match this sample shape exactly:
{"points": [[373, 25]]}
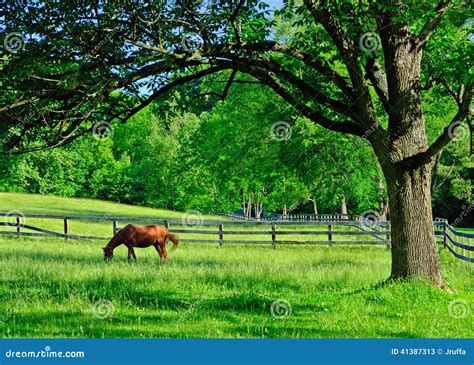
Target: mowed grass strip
{"points": [[49, 287]]}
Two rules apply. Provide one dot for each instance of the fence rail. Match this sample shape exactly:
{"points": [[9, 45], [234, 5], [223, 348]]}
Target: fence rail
{"points": [[332, 229], [334, 217], [377, 233]]}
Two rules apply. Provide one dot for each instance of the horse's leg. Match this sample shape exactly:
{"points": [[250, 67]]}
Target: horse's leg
{"points": [[159, 250], [131, 251], [163, 248]]}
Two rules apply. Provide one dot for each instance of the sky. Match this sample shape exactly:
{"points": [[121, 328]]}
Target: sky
{"points": [[275, 3]]}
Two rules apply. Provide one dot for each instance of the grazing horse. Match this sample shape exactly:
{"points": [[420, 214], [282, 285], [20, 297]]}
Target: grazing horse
{"points": [[141, 236]]}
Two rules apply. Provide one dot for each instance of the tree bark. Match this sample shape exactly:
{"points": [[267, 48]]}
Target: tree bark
{"points": [[343, 205], [383, 200], [414, 249]]}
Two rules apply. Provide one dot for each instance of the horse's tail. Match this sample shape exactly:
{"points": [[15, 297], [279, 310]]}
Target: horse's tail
{"points": [[173, 239]]}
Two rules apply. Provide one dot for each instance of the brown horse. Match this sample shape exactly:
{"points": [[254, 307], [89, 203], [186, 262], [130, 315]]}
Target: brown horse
{"points": [[141, 236]]}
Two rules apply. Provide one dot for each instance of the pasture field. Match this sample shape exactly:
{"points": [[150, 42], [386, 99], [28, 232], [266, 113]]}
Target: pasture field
{"points": [[53, 288], [26, 204], [55, 205]]}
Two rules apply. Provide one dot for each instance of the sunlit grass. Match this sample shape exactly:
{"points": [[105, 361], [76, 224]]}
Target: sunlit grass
{"points": [[54, 205], [49, 287]]}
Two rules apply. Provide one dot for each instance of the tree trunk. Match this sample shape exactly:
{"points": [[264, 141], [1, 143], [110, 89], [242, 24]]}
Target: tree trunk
{"points": [[315, 206], [414, 248], [384, 210], [383, 200], [343, 205], [249, 206]]}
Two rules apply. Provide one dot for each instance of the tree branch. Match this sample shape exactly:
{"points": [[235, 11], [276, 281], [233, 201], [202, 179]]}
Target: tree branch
{"points": [[448, 134], [432, 23], [377, 77], [307, 90], [268, 79]]}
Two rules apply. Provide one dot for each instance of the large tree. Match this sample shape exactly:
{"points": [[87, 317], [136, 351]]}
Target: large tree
{"points": [[357, 67]]}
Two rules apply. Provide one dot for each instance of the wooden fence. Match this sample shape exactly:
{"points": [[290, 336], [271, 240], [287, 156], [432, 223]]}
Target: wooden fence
{"points": [[457, 242], [221, 232], [335, 217]]}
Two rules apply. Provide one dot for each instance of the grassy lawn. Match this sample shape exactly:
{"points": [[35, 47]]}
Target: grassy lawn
{"points": [[49, 287], [55, 288], [54, 205]]}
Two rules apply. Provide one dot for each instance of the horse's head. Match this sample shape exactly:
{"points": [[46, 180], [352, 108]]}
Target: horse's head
{"points": [[108, 253]]}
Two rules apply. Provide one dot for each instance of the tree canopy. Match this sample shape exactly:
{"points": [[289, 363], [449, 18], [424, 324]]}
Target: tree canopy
{"points": [[70, 65]]}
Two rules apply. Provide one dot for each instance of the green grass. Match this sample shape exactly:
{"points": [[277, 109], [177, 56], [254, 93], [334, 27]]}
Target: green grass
{"points": [[54, 205], [49, 287], [26, 204]]}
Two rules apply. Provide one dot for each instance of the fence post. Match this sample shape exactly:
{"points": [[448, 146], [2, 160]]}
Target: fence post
{"points": [[65, 227], [274, 236], [445, 232], [221, 234], [167, 224], [114, 225], [18, 224], [330, 232]]}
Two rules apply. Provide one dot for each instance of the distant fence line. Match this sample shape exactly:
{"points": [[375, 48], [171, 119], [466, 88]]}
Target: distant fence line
{"points": [[458, 243], [333, 217]]}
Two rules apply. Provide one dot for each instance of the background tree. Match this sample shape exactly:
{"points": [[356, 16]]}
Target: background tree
{"points": [[89, 62]]}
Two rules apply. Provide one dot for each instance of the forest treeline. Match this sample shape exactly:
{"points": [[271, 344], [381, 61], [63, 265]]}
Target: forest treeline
{"points": [[249, 152]]}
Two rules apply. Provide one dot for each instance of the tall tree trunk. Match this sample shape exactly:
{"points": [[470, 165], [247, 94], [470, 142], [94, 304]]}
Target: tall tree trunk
{"points": [[384, 210], [383, 200], [343, 205], [315, 206], [249, 205], [414, 248]]}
